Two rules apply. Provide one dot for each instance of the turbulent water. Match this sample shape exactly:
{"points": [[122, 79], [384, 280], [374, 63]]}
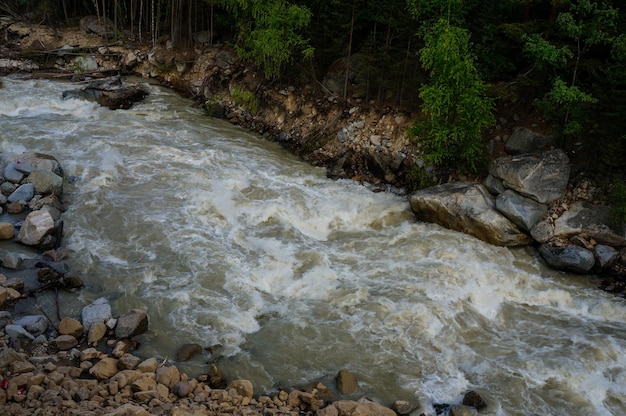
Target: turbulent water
{"points": [[225, 238]]}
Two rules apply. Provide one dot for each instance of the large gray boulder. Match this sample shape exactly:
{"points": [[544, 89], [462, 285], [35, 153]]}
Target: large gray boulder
{"points": [[542, 178], [571, 258], [523, 212], [590, 222], [37, 225], [524, 141], [468, 208], [46, 182], [132, 323]]}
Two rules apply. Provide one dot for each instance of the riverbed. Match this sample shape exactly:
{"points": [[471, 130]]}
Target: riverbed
{"points": [[226, 238]]}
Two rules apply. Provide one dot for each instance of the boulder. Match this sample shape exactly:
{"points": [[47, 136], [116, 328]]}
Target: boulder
{"points": [[468, 208], [37, 225], [571, 258], [17, 331], [363, 407], [522, 141], [523, 212], [132, 323], [346, 382], [12, 174], [590, 222], [70, 326], [542, 178], [111, 93], [243, 387], [186, 351], [494, 185], [543, 231], [105, 368], [65, 342], [168, 376], [46, 182], [34, 324], [606, 256], [96, 332]]}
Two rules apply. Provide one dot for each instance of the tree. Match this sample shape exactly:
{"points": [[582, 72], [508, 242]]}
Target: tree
{"points": [[454, 101], [269, 32]]}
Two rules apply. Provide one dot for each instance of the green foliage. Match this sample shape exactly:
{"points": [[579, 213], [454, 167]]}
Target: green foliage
{"points": [[567, 103], [245, 98], [454, 101], [546, 55], [269, 33]]}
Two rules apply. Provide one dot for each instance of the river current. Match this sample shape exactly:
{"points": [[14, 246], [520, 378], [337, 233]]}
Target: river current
{"points": [[225, 238]]}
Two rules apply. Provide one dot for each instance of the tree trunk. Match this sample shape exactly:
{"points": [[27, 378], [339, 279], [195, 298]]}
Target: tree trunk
{"points": [[345, 84]]}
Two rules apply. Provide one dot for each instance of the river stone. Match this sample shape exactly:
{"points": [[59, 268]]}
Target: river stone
{"points": [[148, 366], [98, 311], [34, 324], [542, 232], [469, 208], [571, 258], [461, 410], [9, 356], [105, 368], [523, 212], [243, 387], [128, 362], [96, 333], [181, 389], [36, 226], [186, 351], [542, 178], [7, 231], [475, 400], [129, 409], [11, 173], [70, 326], [46, 182], [4, 295], [65, 342], [133, 322], [523, 141], [24, 192], [606, 256], [363, 407], [494, 185], [16, 331], [168, 376], [590, 221], [346, 382]]}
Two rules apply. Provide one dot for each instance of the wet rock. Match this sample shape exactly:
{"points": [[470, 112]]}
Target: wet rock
{"points": [[217, 379], [186, 351], [70, 326], [96, 333], [24, 192], [571, 258], [346, 382], [606, 256], [494, 185], [590, 221], [460, 410], [11, 173], [363, 407], [121, 348], [402, 407], [16, 332], [243, 387], [474, 400], [132, 323], [7, 231], [37, 225], [148, 366], [542, 231]]}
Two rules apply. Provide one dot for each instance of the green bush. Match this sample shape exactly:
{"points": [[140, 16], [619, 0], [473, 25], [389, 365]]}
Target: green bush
{"points": [[244, 98]]}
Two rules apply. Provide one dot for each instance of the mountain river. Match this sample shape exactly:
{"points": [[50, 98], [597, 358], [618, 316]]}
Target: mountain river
{"points": [[225, 238]]}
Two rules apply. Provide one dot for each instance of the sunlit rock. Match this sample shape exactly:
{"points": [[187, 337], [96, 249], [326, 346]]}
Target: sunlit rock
{"points": [[468, 208], [37, 225]]}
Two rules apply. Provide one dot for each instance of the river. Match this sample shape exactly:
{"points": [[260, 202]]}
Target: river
{"points": [[225, 238]]}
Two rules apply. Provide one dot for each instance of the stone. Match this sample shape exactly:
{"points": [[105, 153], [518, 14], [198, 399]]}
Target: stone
{"points": [[590, 221], [493, 185], [168, 376], [402, 407], [4, 295], [15, 208], [65, 342], [542, 231], [46, 182], [144, 384], [186, 351], [70, 326], [12, 174], [148, 366], [24, 192], [16, 332], [606, 256], [346, 382], [475, 400], [243, 387], [36, 226], [460, 410], [128, 362], [7, 231], [105, 368], [90, 354], [181, 389], [523, 141], [523, 212], [571, 258], [34, 324], [131, 323], [469, 208], [542, 178], [96, 333], [129, 409], [97, 311], [363, 407], [9, 356]]}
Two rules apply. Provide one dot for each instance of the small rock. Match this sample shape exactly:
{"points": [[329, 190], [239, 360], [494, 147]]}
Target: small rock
{"points": [[36, 226], [168, 376], [128, 362], [243, 387], [181, 389], [96, 333], [148, 366], [132, 323], [474, 400], [347, 382], [65, 342], [402, 407], [24, 192], [186, 351], [34, 324], [70, 326], [16, 331], [7, 231], [97, 311], [105, 368]]}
